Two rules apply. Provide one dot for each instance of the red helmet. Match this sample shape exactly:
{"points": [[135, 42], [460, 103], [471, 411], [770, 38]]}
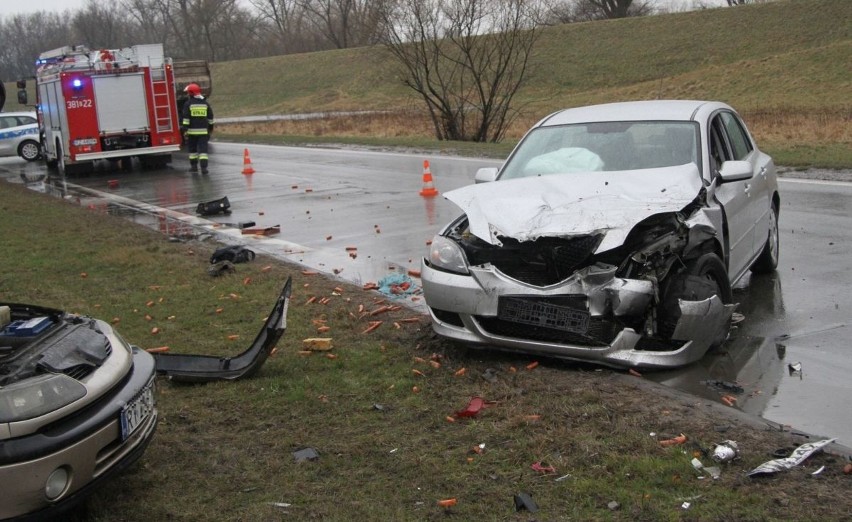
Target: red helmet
{"points": [[192, 89]]}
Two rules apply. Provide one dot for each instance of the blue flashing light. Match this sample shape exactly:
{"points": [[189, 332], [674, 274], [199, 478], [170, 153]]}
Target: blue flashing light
{"points": [[77, 83]]}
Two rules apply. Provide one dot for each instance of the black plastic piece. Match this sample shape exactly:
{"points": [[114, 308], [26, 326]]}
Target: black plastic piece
{"points": [[206, 368], [210, 208]]}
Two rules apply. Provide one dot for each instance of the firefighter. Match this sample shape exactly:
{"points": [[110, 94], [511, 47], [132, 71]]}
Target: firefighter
{"points": [[197, 122]]}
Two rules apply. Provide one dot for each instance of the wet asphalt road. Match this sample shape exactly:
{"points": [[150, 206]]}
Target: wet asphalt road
{"points": [[327, 200]]}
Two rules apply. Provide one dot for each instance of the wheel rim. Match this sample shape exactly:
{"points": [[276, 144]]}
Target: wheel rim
{"points": [[29, 151], [773, 236]]}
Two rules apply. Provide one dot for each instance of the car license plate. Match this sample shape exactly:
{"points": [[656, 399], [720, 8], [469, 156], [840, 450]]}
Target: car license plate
{"points": [[136, 411], [537, 312]]}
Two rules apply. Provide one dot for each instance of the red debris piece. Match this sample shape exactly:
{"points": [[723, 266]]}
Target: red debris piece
{"points": [[472, 408], [541, 467]]}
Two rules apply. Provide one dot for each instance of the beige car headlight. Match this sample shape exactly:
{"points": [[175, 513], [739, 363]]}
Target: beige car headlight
{"points": [[37, 396]]}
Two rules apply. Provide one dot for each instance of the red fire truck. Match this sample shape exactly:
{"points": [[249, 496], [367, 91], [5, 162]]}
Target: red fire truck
{"points": [[110, 104]]}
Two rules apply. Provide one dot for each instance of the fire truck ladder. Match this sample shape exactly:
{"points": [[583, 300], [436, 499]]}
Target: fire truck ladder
{"points": [[163, 102]]}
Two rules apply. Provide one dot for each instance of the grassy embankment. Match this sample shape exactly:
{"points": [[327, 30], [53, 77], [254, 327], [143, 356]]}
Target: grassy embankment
{"points": [[379, 407], [784, 65]]}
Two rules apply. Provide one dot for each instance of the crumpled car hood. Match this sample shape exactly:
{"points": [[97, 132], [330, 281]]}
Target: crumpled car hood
{"points": [[560, 205]]}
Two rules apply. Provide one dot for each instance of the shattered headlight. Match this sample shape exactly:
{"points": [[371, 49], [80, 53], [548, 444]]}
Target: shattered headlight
{"points": [[447, 255], [37, 396]]}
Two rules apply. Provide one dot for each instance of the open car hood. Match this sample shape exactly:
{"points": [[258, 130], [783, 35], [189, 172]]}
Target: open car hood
{"points": [[559, 205]]}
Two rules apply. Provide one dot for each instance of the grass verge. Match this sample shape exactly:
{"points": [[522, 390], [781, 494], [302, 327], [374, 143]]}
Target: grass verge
{"points": [[380, 410]]}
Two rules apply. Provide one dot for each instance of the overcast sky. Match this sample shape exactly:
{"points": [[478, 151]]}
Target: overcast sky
{"points": [[11, 7]]}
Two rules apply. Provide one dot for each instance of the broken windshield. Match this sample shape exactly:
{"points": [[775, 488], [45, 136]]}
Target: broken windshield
{"points": [[604, 147]]}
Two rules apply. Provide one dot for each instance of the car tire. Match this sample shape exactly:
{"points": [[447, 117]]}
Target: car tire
{"points": [[767, 261], [29, 150], [700, 279]]}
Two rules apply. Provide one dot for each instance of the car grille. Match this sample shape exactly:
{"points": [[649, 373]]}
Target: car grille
{"points": [[542, 262], [601, 332]]}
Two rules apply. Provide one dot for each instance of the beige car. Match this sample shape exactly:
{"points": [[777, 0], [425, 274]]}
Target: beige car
{"points": [[76, 408]]}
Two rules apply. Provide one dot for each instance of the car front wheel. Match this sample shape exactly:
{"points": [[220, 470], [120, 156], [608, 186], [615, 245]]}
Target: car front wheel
{"points": [[29, 150]]}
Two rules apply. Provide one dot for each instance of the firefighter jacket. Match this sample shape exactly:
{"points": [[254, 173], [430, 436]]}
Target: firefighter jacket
{"points": [[197, 117]]}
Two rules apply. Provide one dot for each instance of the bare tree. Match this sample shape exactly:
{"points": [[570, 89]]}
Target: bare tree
{"points": [[345, 23], [97, 26], [465, 58], [32, 34]]}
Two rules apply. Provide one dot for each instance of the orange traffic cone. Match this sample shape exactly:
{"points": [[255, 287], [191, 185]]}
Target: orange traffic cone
{"points": [[247, 168], [428, 187]]}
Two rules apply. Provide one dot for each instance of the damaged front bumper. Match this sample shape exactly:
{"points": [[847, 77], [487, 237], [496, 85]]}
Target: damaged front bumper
{"points": [[583, 318]]}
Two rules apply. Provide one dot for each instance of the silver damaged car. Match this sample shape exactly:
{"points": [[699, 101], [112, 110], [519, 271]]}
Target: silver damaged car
{"points": [[613, 234]]}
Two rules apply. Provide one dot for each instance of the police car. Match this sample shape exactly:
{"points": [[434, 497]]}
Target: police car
{"points": [[19, 135]]}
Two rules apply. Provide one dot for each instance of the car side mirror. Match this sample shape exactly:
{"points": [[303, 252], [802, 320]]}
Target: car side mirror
{"points": [[735, 171], [486, 174]]}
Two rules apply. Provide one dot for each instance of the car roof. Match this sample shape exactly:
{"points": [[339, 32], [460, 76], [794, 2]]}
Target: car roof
{"points": [[647, 110], [19, 113]]}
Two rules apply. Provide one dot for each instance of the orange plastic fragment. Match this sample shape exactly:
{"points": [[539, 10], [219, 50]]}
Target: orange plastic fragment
{"points": [[233, 337], [309, 272], [447, 502], [311, 299], [415, 389], [84, 275], [435, 364], [634, 373], [680, 439], [450, 419], [460, 372], [159, 349], [267, 268], [413, 273], [149, 303], [370, 286], [220, 310], [532, 365], [155, 330], [330, 356], [246, 281], [415, 371], [323, 329]]}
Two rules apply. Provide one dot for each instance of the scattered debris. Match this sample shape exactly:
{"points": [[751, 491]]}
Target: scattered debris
{"points": [[266, 231], [797, 457], [472, 409], [395, 285], [206, 368], [490, 375], [525, 501], [305, 454], [724, 386], [447, 503], [795, 369], [221, 268], [726, 451], [613, 506], [210, 208], [820, 470], [319, 344], [233, 253], [680, 439], [543, 467]]}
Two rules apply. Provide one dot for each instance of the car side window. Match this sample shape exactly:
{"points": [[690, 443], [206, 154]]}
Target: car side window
{"points": [[719, 151], [6, 122], [740, 144]]}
